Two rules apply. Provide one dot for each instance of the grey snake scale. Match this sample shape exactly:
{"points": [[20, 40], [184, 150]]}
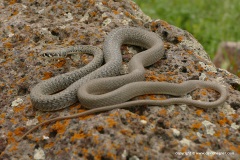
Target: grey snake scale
{"points": [[101, 88]]}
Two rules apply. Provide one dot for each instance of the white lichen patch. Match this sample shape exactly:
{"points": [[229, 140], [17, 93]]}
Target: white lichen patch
{"points": [[45, 137], [85, 17], [171, 108], [41, 11], [149, 127], [32, 122], [68, 17], [185, 141], [202, 76], [17, 102], [199, 135], [24, 6], [143, 121], [124, 154], [226, 109], [134, 158], [183, 107], [234, 126], [209, 127], [10, 35], [101, 7], [175, 132], [126, 21], [39, 154], [124, 69], [106, 22], [208, 68]]}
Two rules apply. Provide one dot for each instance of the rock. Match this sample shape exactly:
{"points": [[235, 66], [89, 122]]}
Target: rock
{"points": [[157, 132]]}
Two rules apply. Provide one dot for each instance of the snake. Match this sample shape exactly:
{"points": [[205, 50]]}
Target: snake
{"points": [[101, 87]]}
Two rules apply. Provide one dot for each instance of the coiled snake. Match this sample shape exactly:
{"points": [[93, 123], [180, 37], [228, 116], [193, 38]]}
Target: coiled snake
{"points": [[101, 94]]}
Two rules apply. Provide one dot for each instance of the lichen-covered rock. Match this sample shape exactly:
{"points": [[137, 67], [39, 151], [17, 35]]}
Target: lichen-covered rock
{"points": [[149, 132]]}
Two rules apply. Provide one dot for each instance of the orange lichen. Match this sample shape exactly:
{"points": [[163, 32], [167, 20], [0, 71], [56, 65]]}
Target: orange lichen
{"points": [[163, 112], [206, 117], [72, 43], [8, 45], [104, 3], [222, 121], [96, 139], [133, 6], [93, 14], [193, 137], [143, 117], [41, 118], [47, 75], [60, 127], [49, 145], [2, 115], [60, 63], [59, 6], [203, 92], [10, 137], [19, 109], [78, 136], [129, 15], [207, 144], [111, 122], [145, 148], [155, 97], [165, 24], [128, 115], [15, 12], [217, 133], [126, 132], [196, 125], [189, 52], [13, 120], [115, 12], [10, 91], [85, 59], [176, 113], [30, 136], [235, 149], [200, 68], [235, 116], [18, 131], [78, 5], [184, 149], [24, 119], [180, 38], [221, 114], [112, 156], [81, 37], [99, 128], [12, 2], [13, 148], [199, 112], [91, 1], [161, 77], [27, 28], [226, 131]]}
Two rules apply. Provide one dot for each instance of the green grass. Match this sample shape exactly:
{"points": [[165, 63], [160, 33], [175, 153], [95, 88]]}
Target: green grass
{"points": [[210, 21]]}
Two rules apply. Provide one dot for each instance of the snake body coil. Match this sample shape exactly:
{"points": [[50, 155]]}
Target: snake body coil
{"points": [[102, 94]]}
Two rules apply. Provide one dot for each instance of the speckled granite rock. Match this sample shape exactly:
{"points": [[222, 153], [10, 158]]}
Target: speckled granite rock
{"points": [[158, 132]]}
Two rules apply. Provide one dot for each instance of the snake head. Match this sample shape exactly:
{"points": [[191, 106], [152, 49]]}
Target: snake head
{"points": [[53, 54]]}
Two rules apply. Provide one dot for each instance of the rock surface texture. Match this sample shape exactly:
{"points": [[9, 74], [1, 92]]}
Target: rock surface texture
{"points": [[149, 132]]}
